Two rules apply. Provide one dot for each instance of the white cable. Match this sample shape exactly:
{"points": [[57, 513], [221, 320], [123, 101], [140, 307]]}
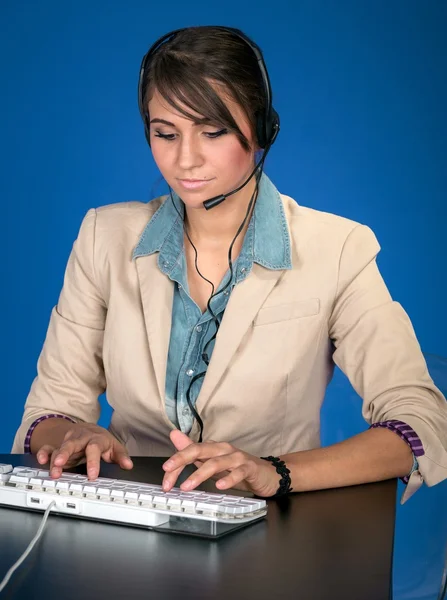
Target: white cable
{"points": [[28, 550]]}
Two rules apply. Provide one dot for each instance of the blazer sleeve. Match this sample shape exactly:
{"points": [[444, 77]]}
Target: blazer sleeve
{"points": [[70, 372], [376, 347]]}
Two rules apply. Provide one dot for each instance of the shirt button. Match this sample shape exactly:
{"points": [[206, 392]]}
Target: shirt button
{"points": [[243, 270], [199, 328], [226, 292], [190, 372], [185, 412]]}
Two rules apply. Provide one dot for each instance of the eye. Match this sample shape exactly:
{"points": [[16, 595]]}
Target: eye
{"points": [[216, 134], [165, 136], [209, 134]]}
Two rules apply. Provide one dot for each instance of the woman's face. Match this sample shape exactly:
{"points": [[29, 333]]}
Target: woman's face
{"points": [[198, 161]]}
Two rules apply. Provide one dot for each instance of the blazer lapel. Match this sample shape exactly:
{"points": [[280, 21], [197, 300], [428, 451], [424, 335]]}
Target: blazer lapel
{"points": [[245, 301], [156, 296]]}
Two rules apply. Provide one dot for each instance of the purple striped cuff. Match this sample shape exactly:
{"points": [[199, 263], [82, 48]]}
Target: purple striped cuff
{"points": [[408, 434], [29, 433]]}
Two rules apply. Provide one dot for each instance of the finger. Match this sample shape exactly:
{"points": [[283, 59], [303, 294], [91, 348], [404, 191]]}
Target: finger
{"points": [[68, 448], [170, 479], [44, 453], [196, 452], [180, 439], [212, 466], [73, 459], [93, 452], [120, 456], [234, 478]]}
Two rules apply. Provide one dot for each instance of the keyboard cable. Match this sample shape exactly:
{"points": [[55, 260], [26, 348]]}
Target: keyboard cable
{"points": [[17, 564]]}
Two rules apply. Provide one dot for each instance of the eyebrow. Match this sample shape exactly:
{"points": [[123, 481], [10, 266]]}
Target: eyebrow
{"points": [[164, 122]]}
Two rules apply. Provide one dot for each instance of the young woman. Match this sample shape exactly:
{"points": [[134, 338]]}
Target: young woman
{"points": [[214, 315]]}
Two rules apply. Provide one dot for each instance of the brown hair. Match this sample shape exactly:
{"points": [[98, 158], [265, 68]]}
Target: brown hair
{"points": [[184, 69]]}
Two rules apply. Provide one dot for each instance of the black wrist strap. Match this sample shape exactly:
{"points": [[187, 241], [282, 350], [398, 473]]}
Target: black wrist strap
{"points": [[281, 469]]}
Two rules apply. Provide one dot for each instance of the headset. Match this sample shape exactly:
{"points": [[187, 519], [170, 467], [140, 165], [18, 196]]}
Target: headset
{"points": [[267, 123], [267, 129]]}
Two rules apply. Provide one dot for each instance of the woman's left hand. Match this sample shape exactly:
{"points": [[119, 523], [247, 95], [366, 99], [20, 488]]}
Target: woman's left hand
{"points": [[231, 467]]}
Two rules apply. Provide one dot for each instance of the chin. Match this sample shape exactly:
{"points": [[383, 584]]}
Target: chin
{"points": [[194, 198]]}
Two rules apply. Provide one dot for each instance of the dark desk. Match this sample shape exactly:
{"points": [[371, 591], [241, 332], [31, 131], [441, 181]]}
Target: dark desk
{"points": [[326, 545]]}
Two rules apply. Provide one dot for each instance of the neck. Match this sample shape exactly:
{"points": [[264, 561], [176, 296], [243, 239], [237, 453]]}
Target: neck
{"points": [[218, 226]]}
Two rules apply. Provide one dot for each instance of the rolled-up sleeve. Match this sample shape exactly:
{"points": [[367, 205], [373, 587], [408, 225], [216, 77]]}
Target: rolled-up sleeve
{"points": [[376, 347], [70, 373]]}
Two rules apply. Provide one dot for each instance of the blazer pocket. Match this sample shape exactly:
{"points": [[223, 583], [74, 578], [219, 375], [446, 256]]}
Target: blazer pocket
{"points": [[286, 312]]}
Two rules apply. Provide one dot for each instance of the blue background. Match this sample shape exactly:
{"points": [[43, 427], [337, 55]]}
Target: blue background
{"points": [[361, 89]]}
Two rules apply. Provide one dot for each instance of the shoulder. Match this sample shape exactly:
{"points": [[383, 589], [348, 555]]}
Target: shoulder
{"points": [[328, 230], [114, 229], [120, 222], [132, 216]]}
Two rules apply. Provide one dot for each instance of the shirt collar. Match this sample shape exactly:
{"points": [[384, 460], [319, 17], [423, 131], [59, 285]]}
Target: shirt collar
{"points": [[271, 244]]}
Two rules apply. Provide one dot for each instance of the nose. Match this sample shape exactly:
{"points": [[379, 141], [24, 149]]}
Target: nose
{"points": [[189, 153]]}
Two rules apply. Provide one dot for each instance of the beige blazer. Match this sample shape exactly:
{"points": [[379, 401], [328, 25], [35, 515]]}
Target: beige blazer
{"points": [[281, 333]]}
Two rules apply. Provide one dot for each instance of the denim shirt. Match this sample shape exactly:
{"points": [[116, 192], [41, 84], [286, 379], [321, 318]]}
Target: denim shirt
{"points": [[266, 242]]}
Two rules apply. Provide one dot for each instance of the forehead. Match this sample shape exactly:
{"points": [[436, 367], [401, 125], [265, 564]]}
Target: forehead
{"points": [[158, 106]]}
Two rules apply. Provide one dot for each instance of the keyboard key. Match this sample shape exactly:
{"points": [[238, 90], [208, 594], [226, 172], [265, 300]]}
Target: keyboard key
{"points": [[49, 483], [208, 506], [252, 504], [174, 503], [232, 509], [131, 495], [119, 494], [62, 485], [19, 479], [75, 489], [36, 481], [189, 505], [27, 472], [160, 500], [145, 498]]}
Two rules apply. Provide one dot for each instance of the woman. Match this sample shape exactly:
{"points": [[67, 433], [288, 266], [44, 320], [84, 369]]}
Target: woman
{"points": [[227, 277]]}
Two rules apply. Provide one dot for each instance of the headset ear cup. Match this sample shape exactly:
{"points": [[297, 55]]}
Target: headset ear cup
{"points": [[274, 126], [260, 130], [266, 131]]}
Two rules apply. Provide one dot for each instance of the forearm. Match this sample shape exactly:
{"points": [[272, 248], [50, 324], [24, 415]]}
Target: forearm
{"points": [[374, 455], [50, 431]]}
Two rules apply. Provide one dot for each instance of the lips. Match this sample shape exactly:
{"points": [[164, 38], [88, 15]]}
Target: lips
{"points": [[194, 184]]}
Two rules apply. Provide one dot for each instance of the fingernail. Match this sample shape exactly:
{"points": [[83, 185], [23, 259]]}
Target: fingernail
{"points": [[187, 485], [58, 460], [168, 464]]}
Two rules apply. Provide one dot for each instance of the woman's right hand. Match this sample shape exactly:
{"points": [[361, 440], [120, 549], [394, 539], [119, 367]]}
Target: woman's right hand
{"points": [[84, 442]]}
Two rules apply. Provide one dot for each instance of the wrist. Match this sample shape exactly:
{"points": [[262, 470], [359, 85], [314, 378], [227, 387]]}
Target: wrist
{"points": [[51, 431], [285, 482]]}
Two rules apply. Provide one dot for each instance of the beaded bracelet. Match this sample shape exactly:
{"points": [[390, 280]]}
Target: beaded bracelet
{"points": [[281, 469]]}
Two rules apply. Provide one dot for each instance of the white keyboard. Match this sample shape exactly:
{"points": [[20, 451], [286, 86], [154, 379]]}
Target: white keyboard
{"points": [[121, 501]]}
